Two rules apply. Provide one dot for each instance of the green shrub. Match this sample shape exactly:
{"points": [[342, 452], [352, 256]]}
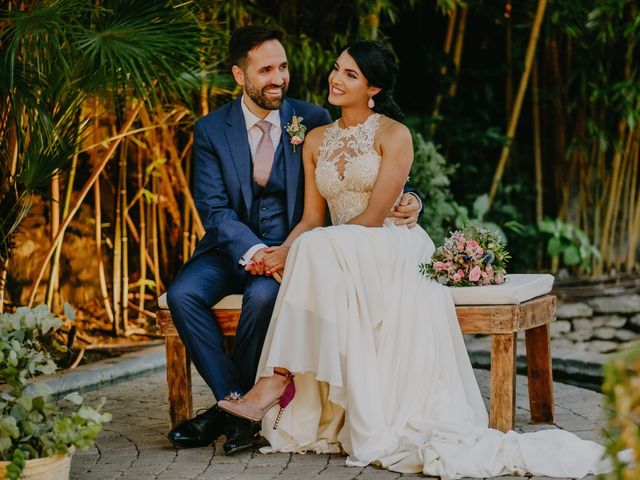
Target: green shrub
{"points": [[32, 423], [430, 176]]}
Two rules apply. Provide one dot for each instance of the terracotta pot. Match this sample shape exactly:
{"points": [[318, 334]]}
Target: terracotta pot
{"points": [[57, 467]]}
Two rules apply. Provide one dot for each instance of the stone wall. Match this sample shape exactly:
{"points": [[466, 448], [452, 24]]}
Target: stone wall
{"points": [[599, 324]]}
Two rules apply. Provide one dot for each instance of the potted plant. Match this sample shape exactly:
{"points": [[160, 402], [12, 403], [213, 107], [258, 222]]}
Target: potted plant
{"points": [[38, 434]]}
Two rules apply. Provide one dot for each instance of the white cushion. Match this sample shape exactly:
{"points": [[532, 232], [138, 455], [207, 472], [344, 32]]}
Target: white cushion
{"points": [[227, 303], [518, 288]]}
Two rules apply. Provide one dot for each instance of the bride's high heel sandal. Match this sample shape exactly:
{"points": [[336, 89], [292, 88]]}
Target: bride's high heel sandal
{"points": [[238, 407]]}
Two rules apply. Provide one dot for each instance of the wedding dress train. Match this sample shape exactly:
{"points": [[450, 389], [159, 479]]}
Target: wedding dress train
{"points": [[381, 367]]}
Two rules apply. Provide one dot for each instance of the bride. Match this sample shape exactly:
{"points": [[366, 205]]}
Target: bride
{"points": [[381, 369]]}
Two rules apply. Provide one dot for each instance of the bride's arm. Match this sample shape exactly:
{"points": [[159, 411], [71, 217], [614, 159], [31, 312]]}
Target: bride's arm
{"points": [[315, 206], [396, 149]]}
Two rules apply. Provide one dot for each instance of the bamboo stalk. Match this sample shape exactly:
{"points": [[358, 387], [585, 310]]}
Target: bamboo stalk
{"points": [[98, 232], [508, 88], [457, 52], [634, 207], [187, 224], [146, 313], [143, 240], [136, 237], [65, 211], [124, 238], [52, 285], [515, 114], [154, 235], [189, 199], [116, 261], [613, 196], [537, 150], [81, 196], [204, 97], [3, 282], [448, 40], [12, 146]]}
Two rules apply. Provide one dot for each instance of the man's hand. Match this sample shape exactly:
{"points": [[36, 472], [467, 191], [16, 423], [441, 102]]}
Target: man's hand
{"points": [[256, 265], [406, 211]]}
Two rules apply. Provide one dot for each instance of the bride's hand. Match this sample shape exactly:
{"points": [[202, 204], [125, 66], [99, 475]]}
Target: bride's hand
{"points": [[406, 211], [275, 260], [277, 276]]}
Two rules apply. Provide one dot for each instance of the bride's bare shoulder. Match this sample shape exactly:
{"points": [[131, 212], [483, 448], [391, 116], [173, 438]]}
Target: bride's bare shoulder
{"points": [[391, 130]]}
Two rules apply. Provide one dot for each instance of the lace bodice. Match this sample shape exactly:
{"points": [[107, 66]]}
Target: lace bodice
{"points": [[347, 168]]}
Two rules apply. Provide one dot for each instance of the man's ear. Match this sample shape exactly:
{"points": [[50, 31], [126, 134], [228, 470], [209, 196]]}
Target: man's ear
{"points": [[238, 74]]}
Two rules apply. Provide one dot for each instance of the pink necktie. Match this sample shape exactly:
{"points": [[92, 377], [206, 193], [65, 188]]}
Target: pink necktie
{"points": [[263, 159]]}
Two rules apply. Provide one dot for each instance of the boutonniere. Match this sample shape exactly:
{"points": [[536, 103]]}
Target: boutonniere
{"points": [[296, 130]]}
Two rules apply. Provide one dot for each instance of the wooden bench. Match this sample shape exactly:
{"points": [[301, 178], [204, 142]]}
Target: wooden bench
{"points": [[502, 322]]}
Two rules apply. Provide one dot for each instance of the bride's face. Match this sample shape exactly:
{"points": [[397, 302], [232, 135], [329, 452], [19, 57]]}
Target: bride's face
{"points": [[347, 85]]}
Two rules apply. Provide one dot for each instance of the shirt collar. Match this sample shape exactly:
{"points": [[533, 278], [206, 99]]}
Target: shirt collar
{"points": [[250, 119]]}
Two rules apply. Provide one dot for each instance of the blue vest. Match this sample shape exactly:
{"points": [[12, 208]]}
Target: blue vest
{"points": [[268, 216]]}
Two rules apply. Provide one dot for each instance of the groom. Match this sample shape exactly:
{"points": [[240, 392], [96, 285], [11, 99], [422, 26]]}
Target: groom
{"points": [[248, 188]]}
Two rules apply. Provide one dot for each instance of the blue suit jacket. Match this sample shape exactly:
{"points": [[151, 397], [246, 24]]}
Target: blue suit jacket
{"points": [[222, 180]]}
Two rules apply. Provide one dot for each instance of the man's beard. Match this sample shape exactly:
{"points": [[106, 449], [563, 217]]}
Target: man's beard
{"points": [[261, 99]]}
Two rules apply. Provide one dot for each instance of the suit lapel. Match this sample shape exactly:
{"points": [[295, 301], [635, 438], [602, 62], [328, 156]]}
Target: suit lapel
{"points": [[292, 161], [236, 133]]}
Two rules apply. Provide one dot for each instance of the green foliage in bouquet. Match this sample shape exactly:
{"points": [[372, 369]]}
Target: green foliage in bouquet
{"points": [[622, 401], [473, 256], [32, 423]]}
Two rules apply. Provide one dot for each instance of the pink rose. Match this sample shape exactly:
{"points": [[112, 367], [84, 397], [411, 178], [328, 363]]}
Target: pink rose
{"points": [[456, 277], [460, 246], [489, 271], [472, 244], [474, 274], [446, 266], [499, 279], [296, 140], [438, 266]]}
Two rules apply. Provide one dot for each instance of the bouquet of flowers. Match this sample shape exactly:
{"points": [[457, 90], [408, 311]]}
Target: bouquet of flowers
{"points": [[473, 256]]}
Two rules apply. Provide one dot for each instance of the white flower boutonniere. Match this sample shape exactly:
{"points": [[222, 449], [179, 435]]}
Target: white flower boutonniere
{"points": [[296, 130]]}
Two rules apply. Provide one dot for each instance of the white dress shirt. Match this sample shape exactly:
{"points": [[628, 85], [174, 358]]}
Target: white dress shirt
{"points": [[254, 134]]}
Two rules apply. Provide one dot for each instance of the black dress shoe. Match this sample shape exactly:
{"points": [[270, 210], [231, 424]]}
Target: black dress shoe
{"points": [[200, 431], [240, 435]]}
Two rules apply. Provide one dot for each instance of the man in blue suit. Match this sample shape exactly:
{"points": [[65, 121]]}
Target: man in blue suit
{"points": [[248, 188]]}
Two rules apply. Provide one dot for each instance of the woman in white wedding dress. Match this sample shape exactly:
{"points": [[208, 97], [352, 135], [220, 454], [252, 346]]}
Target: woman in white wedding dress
{"points": [[381, 369]]}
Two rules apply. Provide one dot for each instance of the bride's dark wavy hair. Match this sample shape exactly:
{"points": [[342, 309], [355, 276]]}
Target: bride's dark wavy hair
{"points": [[379, 65]]}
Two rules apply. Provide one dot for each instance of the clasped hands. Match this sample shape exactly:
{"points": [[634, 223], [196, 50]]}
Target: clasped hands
{"points": [[270, 261]]}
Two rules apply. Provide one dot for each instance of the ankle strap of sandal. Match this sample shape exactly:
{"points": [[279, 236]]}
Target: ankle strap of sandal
{"points": [[288, 374]]}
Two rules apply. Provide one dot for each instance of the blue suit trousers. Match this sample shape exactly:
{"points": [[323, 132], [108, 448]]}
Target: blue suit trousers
{"points": [[201, 283]]}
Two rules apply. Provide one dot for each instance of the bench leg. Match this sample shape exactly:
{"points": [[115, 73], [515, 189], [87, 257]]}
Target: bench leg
{"points": [[539, 374], [503, 381], [178, 380]]}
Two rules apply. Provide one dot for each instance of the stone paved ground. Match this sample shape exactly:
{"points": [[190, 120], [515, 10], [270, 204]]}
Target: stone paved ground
{"points": [[134, 447]]}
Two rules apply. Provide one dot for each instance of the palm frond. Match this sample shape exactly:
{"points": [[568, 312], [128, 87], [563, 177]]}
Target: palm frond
{"points": [[143, 46], [36, 38]]}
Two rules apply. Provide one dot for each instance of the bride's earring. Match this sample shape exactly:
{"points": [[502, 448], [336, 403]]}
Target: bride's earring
{"points": [[371, 103]]}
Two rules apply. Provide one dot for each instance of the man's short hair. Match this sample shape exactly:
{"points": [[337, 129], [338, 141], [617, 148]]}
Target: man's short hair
{"points": [[247, 38]]}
